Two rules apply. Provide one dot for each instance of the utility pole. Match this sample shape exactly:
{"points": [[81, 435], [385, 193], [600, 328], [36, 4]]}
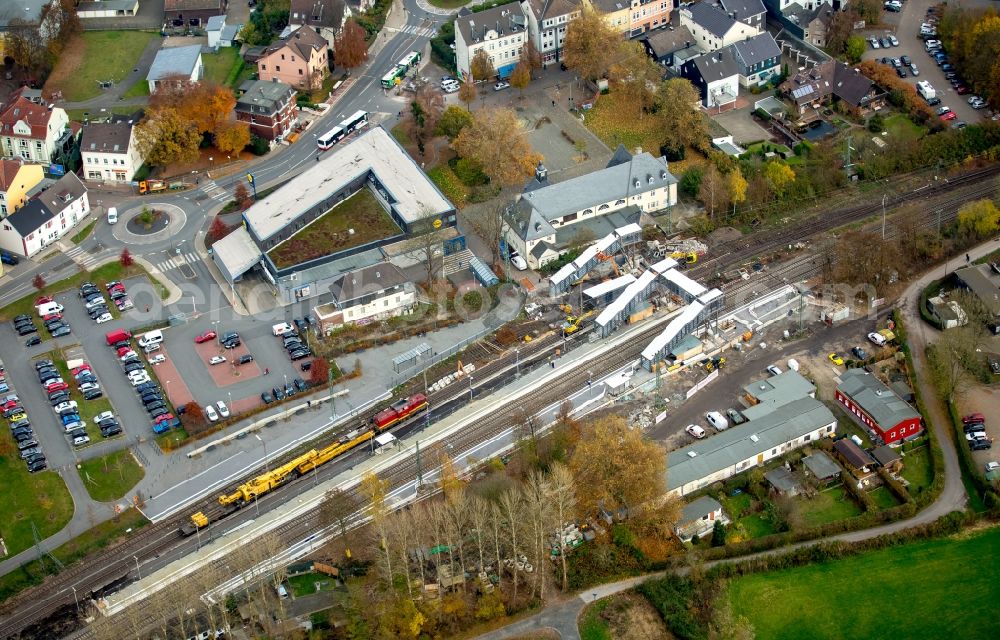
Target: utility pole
{"points": [[884, 196], [420, 476]]}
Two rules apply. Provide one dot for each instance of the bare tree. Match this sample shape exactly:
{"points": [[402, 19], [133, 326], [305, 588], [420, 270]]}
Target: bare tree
{"points": [[563, 495], [512, 510], [487, 222], [339, 508], [375, 490], [536, 495], [428, 247]]}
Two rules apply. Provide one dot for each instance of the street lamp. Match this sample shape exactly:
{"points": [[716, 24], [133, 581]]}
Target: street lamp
{"points": [[517, 361], [75, 599], [470, 388], [136, 558], [884, 195], [267, 468]]}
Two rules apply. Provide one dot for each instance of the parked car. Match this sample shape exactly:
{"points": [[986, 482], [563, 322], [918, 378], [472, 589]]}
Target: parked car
{"points": [[223, 409], [695, 431], [211, 414], [266, 398], [835, 359], [859, 353], [499, 86], [216, 360], [715, 419], [205, 337]]}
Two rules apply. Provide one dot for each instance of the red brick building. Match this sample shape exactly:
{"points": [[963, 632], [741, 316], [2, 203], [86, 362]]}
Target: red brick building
{"points": [[268, 107], [874, 405]]}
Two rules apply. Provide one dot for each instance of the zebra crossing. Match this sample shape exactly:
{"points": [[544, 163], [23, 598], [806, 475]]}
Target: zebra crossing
{"points": [[81, 257], [412, 29], [178, 260], [214, 191]]}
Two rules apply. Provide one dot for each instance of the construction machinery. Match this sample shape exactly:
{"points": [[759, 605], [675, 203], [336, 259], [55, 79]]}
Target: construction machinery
{"points": [[689, 257], [260, 485], [572, 324], [715, 363]]}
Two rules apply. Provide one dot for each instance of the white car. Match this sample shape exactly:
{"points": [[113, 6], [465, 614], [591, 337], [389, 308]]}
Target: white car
{"points": [[992, 466], [138, 373], [716, 419], [874, 43], [64, 406], [157, 359], [89, 386], [104, 415], [128, 354], [216, 360], [104, 317], [211, 414], [893, 41], [695, 431], [500, 86], [97, 302], [79, 441], [518, 261], [876, 338], [774, 369], [223, 409], [139, 380]]}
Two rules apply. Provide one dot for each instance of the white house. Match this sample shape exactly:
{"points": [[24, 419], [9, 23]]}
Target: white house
{"points": [[365, 295], [752, 12], [500, 31], [548, 21], [716, 75], [698, 518], [713, 28], [176, 63], [109, 152], [639, 182], [221, 34], [32, 130], [46, 217]]}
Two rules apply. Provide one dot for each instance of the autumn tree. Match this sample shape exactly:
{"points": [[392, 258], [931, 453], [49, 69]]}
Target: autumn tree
{"points": [[349, 47], [676, 106], [38, 282], [217, 230], [589, 39], [481, 67], [872, 274], [339, 508], [531, 56], [25, 45], [979, 219], [125, 259], [839, 30], [714, 191], [634, 74], [242, 196], [165, 136], [520, 76], [319, 372], [375, 490], [868, 10], [231, 137], [425, 113], [496, 141], [779, 176], [614, 465], [737, 186], [467, 93], [452, 121], [487, 222]]}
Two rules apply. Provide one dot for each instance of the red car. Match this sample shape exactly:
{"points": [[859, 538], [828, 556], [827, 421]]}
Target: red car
{"points": [[948, 116], [961, 89], [164, 418], [42, 300], [52, 316], [82, 367], [116, 287], [123, 350], [205, 337], [10, 404], [59, 386]]}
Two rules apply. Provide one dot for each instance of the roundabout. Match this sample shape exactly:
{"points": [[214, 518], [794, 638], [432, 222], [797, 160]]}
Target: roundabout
{"points": [[152, 222]]}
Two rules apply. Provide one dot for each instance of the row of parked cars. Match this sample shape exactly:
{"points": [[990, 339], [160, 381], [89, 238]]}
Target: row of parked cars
{"points": [[97, 305], [292, 341], [148, 391], [20, 428], [974, 425]]}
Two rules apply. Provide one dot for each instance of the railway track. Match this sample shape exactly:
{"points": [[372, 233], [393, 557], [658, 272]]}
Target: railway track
{"points": [[32, 605]]}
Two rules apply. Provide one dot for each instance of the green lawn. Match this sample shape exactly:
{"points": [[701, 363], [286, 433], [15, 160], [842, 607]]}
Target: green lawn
{"points": [[305, 584], [111, 477], [592, 626], [41, 498], [883, 498], [449, 4], [917, 470], [830, 505], [94, 56], [353, 222], [220, 67], [138, 90], [99, 537], [901, 127], [82, 234], [449, 184], [944, 588]]}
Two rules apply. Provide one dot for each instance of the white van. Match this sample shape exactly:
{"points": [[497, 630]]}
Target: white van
{"points": [[151, 337], [793, 364], [281, 329], [716, 419], [46, 308], [112, 215]]}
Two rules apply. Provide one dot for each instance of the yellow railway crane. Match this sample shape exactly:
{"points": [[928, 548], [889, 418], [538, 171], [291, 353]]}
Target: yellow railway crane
{"points": [[260, 485], [329, 453]]}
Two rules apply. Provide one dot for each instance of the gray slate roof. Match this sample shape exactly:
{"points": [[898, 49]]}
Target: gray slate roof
{"points": [[698, 509], [716, 65], [215, 23], [855, 455], [782, 480], [756, 49], [663, 42], [876, 399], [711, 17], [978, 279], [885, 455], [775, 391], [261, 96], [821, 465], [47, 204], [743, 8], [106, 137], [174, 61], [366, 281], [735, 444], [509, 18]]}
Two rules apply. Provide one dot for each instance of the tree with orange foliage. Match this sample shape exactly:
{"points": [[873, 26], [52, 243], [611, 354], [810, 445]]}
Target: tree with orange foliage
{"points": [[231, 137], [350, 48]]}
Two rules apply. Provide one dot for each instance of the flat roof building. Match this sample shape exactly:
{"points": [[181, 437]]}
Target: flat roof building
{"points": [[764, 395]]}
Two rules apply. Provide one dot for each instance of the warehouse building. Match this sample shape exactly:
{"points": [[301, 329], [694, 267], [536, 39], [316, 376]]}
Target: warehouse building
{"points": [[874, 405], [748, 445]]}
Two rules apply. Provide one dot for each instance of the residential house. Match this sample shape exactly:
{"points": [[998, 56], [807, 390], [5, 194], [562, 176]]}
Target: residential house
{"points": [[46, 217], [716, 75], [984, 283], [630, 182], [858, 463], [301, 59], [110, 152], [748, 445], [16, 179], [888, 459], [759, 59], [874, 405], [634, 17], [326, 17], [831, 80], [268, 107], [712, 27], [698, 518], [373, 293], [661, 45], [822, 467], [34, 131], [616, 13], [783, 482], [107, 9], [948, 313], [192, 13], [809, 23], [547, 22], [221, 34], [751, 12], [501, 32], [176, 65]]}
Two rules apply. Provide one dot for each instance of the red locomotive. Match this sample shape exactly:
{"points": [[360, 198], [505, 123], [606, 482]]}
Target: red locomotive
{"points": [[400, 411]]}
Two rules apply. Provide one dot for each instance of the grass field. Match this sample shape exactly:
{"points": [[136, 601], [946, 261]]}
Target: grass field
{"points": [[917, 470], [41, 498], [305, 584], [111, 477], [901, 127], [137, 90], [331, 232], [94, 56], [828, 506], [221, 67], [883, 498], [935, 589]]}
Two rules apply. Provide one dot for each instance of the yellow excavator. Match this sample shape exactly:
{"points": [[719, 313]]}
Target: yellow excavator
{"points": [[572, 324], [689, 257]]}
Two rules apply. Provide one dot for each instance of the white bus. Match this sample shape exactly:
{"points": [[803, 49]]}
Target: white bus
{"points": [[356, 121], [410, 61]]}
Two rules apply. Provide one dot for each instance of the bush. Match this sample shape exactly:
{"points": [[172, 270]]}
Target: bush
{"points": [[673, 153], [691, 181], [469, 172], [258, 146], [763, 115], [672, 596], [876, 124]]}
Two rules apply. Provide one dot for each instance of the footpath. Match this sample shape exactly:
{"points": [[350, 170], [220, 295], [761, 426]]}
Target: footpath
{"points": [[562, 617]]}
